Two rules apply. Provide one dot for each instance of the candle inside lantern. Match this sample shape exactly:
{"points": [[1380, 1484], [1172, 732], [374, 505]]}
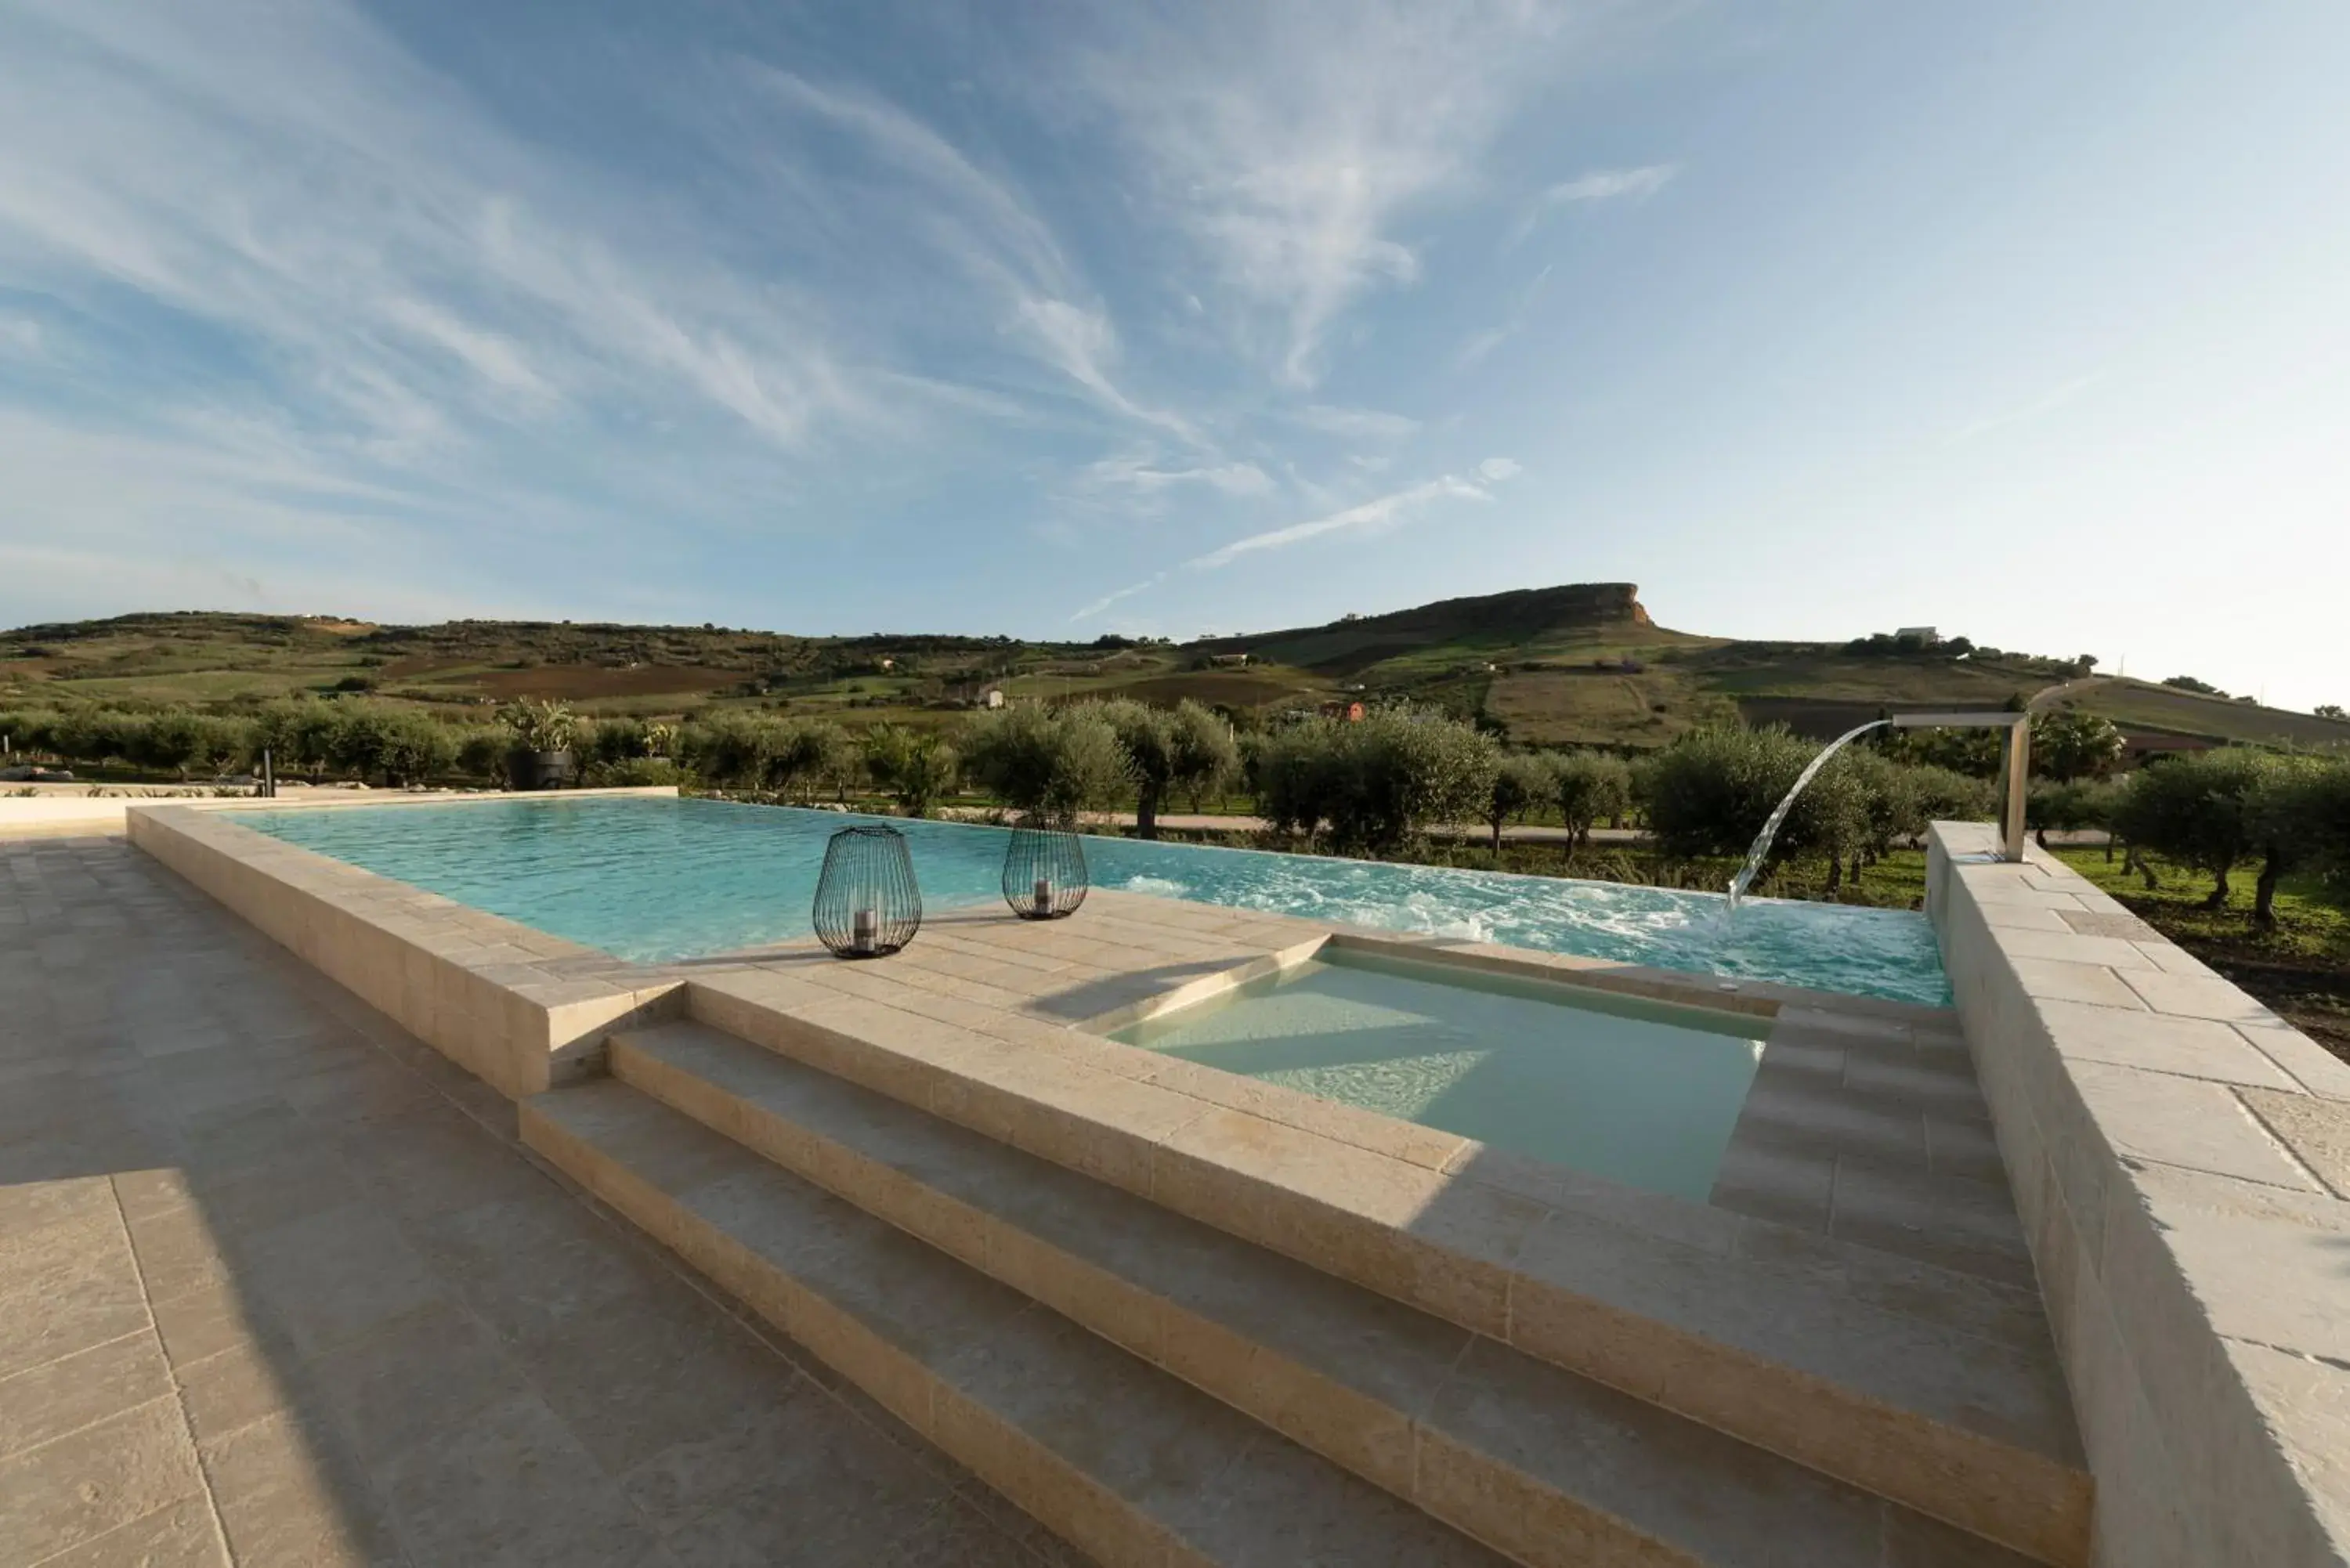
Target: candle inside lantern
{"points": [[865, 932], [1044, 894]]}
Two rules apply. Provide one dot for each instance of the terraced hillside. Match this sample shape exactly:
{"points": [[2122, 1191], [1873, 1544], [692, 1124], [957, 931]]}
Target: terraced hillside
{"points": [[1582, 663]]}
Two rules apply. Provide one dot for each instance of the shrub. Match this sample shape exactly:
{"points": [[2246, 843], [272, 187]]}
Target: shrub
{"points": [[2069, 744], [97, 735], [633, 773], [609, 740], [481, 750], [26, 730]]}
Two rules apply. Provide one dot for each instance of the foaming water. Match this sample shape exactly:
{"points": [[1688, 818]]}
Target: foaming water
{"points": [[652, 879]]}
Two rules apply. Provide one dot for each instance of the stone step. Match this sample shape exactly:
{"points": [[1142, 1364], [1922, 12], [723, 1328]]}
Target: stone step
{"points": [[1937, 1389], [1549, 1467], [1119, 1459]]}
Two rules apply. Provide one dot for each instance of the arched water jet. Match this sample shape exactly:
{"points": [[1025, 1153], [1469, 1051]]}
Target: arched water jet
{"points": [[1778, 818], [2018, 726]]}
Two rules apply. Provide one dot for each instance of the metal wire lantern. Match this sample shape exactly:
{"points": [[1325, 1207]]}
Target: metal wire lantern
{"points": [[868, 904], [1044, 871]]}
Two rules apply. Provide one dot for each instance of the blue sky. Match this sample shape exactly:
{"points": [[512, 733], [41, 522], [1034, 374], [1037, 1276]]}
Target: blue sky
{"points": [[2032, 321]]}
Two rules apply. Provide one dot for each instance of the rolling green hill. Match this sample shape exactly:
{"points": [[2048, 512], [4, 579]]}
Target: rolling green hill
{"points": [[1578, 663]]}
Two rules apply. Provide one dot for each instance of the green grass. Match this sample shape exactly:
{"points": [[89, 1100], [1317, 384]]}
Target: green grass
{"points": [[2140, 705]]}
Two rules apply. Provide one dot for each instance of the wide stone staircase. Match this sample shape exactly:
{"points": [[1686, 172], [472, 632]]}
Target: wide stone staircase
{"points": [[1155, 1388]]}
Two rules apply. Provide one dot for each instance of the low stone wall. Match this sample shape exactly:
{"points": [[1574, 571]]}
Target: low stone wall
{"points": [[2180, 1159], [516, 1007]]}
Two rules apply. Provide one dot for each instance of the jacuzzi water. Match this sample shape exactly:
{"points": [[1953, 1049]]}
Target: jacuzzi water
{"points": [[1638, 1092], [650, 879]]}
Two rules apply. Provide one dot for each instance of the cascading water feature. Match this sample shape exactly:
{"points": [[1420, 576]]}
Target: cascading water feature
{"points": [[2018, 767], [1755, 856]]}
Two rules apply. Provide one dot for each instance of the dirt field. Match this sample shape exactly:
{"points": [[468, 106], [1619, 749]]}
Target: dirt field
{"points": [[587, 682]]}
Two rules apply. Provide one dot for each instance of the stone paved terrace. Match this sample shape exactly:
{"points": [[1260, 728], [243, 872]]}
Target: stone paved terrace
{"points": [[1861, 1254], [278, 1285], [279, 1281]]}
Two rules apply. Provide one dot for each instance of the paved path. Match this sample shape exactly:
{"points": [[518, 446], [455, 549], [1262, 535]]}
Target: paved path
{"points": [[277, 1286], [1513, 833]]}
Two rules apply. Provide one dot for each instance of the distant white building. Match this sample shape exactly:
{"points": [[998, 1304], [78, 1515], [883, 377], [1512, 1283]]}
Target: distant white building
{"points": [[1922, 633], [991, 698]]}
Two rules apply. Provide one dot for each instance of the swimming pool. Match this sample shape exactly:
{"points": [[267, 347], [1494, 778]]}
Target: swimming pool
{"points": [[1640, 1092], [651, 878]]}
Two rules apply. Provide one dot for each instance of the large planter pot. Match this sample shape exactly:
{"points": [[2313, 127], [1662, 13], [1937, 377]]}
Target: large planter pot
{"points": [[528, 769]]}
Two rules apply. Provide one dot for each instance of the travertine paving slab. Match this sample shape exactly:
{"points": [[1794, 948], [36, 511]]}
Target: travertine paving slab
{"points": [[1128, 1462], [1651, 1295], [275, 1287], [1509, 1448]]}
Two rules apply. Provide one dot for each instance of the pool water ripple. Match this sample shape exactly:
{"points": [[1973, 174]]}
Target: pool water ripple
{"points": [[652, 879]]}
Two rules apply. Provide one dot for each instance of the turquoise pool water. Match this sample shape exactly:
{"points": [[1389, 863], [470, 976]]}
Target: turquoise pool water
{"points": [[651, 880], [1638, 1092]]}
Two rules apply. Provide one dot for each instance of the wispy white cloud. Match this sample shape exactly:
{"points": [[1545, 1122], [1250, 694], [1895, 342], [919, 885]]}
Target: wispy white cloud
{"points": [[1383, 512], [2048, 402], [980, 221], [1610, 185], [1600, 186], [1117, 597], [1292, 149], [1144, 472], [152, 152], [1355, 424], [1473, 352], [1083, 346], [273, 269], [1375, 514]]}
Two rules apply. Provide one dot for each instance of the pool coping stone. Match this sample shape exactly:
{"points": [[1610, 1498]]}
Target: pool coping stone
{"points": [[2181, 1158]]}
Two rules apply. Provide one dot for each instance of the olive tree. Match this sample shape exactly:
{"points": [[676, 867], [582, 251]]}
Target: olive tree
{"points": [[729, 749], [1046, 763], [1709, 792], [1291, 774], [913, 768], [1522, 783], [2192, 810], [802, 759], [299, 733], [400, 744], [1368, 786], [1185, 750], [1587, 786], [2299, 815]]}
